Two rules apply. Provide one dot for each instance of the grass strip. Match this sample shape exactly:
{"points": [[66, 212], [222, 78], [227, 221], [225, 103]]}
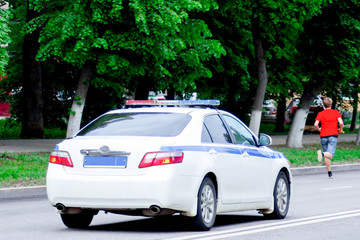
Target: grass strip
{"points": [[25, 169], [346, 153]]}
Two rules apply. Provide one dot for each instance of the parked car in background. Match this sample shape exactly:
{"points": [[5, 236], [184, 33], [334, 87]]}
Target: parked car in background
{"points": [[4, 107], [156, 95], [167, 157], [316, 107], [4, 110], [269, 112]]}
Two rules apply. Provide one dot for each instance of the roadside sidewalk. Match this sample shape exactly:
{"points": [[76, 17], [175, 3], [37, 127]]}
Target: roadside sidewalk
{"points": [[312, 138], [28, 145]]}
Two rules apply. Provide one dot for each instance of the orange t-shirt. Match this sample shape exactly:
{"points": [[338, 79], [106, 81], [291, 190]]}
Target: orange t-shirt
{"points": [[329, 124]]}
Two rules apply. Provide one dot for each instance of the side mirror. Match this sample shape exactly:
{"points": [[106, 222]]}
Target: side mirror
{"points": [[264, 140]]}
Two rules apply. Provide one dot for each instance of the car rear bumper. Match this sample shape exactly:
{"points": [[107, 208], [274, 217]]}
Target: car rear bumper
{"points": [[122, 192]]}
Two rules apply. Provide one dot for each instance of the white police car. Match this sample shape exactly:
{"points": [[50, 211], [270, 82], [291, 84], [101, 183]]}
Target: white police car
{"points": [[170, 157]]}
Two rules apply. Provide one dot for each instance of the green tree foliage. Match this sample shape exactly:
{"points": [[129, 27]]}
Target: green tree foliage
{"points": [[329, 54], [341, 41], [280, 24], [231, 82], [131, 39], [125, 41], [285, 69], [235, 75], [186, 46], [4, 36], [330, 45], [13, 69]]}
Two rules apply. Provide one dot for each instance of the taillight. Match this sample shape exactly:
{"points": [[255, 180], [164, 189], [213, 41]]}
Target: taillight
{"points": [[161, 158], [274, 112], [60, 157]]}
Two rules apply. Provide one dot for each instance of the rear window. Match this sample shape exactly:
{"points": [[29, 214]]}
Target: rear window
{"points": [[137, 124]]}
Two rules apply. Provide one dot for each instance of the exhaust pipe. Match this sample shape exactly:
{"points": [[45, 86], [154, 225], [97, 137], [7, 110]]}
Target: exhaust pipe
{"points": [[155, 209], [60, 207]]}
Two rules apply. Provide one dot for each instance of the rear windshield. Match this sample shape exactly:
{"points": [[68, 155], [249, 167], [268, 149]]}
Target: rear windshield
{"points": [[137, 124]]}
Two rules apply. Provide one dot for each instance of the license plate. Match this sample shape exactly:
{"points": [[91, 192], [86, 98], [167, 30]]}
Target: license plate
{"points": [[105, 161]]}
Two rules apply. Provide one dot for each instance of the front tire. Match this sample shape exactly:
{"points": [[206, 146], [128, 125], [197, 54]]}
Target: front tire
{"points": [[79, 220], [281, 197], [206, 206]]}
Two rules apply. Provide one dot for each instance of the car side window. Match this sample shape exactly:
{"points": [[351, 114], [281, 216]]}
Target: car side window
{"points": [[205, 136], [240, 132], [216, 129]]}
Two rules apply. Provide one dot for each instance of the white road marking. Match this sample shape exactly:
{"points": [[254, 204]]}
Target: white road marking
{"points": [[336, 188], [270, 226]]}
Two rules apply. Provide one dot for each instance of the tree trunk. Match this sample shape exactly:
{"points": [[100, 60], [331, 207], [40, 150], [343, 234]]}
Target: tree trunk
{"points": [[144, 85], [353, 119], [354, 113], [170, 93], [262, 78], [294, 139], [32, 101], [357, 141], [79, 101], [280, 117]]}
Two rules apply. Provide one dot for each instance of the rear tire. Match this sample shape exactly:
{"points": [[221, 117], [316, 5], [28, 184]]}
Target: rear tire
{"points": [[80, 220], [206, 206], [281, 197]]}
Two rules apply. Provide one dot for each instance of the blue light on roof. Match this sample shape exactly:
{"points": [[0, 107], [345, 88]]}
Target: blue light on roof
{"points": [[211, 102], [200, 102]]}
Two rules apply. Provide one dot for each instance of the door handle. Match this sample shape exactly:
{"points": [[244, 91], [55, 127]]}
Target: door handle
{"points": [[245, 154], [213, 151]]}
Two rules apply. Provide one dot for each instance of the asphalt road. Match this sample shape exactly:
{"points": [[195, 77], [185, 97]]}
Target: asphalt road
{"points": [[321, 208]]}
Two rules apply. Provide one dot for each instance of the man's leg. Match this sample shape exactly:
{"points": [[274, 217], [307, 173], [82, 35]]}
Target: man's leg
{"points": [[320, 155], [329, 154], [328, 157]]}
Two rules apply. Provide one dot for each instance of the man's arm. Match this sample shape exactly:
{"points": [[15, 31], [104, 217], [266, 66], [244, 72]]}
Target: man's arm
{"points": [[341, 125], [316, 125]]}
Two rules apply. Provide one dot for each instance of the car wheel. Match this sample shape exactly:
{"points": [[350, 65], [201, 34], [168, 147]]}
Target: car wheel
{"points": [[206, 206], [281, 197], [80, 220]]}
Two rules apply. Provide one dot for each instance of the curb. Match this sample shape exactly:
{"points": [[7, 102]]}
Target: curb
{"points": [[40, 191], [322, 169], [22, 192]]}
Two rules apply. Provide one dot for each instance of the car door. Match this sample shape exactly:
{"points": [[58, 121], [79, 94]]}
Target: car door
{"points": [[226, 156], [254, 168]]}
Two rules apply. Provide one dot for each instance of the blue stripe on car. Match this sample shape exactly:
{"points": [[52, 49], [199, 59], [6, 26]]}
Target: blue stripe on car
{"points": [[183, 148], [231, 150]]}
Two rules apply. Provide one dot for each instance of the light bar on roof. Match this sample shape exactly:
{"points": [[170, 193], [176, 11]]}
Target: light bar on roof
{"points": [[213, 103]]}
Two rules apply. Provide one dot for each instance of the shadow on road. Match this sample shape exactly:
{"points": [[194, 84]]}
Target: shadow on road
{"points": [[172, 223]]}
